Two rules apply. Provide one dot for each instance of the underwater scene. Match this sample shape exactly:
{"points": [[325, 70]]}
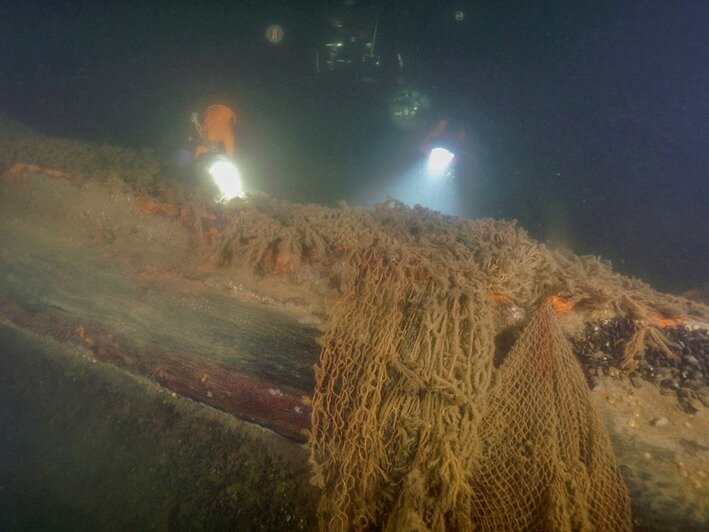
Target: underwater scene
{"points": [[354, 265]]}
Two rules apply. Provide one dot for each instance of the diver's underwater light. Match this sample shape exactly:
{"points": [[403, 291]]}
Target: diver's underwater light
{"points": [[439, 160], [228, 179]]}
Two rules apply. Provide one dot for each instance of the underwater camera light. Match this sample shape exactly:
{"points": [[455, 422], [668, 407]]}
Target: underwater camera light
{"points": [[439, 161], [227, 178]]}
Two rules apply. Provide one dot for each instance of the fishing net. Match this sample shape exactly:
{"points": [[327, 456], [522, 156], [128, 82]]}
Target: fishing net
{"points": [[416, 425], [398, 404], [270, 236], [547, 462], [414, 429]]}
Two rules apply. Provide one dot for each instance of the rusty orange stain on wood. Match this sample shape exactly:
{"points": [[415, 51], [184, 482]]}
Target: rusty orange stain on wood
{"points": [[562, 305], [499, 298], [84, 337], [147, 205], [19, 168], [664, 322]]}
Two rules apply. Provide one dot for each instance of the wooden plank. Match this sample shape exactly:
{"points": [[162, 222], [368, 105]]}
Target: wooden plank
{"points": [[282, 409]]}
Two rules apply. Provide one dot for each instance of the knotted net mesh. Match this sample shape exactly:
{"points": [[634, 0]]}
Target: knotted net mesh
{"points": [[416, 425], [398, 404], [414, 428], [547, 462]]}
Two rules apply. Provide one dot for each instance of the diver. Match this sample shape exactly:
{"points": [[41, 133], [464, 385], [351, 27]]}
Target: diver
{"points": [[213, 161], [215, 131]]}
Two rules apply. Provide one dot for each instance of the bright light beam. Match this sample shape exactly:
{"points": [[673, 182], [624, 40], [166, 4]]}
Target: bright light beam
{"points": [[228, 179], [439, 160]]}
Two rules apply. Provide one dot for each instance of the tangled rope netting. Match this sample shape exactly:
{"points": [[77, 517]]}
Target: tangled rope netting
{"points": [[416, 425]]}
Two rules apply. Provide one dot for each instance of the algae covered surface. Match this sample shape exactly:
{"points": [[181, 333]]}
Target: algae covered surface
{"points": [[84, 445], [100, 260]]}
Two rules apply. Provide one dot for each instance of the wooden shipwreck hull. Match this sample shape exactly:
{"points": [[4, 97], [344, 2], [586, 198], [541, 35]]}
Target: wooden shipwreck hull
{"points": [[60, 277], [132, 280]]}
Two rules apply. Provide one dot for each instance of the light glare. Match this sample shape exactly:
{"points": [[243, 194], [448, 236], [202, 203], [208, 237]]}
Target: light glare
{"points": [[439, 160], [228, 179]]}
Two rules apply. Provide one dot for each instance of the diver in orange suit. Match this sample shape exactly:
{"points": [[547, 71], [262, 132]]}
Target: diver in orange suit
{"points": [[217, 127]]}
